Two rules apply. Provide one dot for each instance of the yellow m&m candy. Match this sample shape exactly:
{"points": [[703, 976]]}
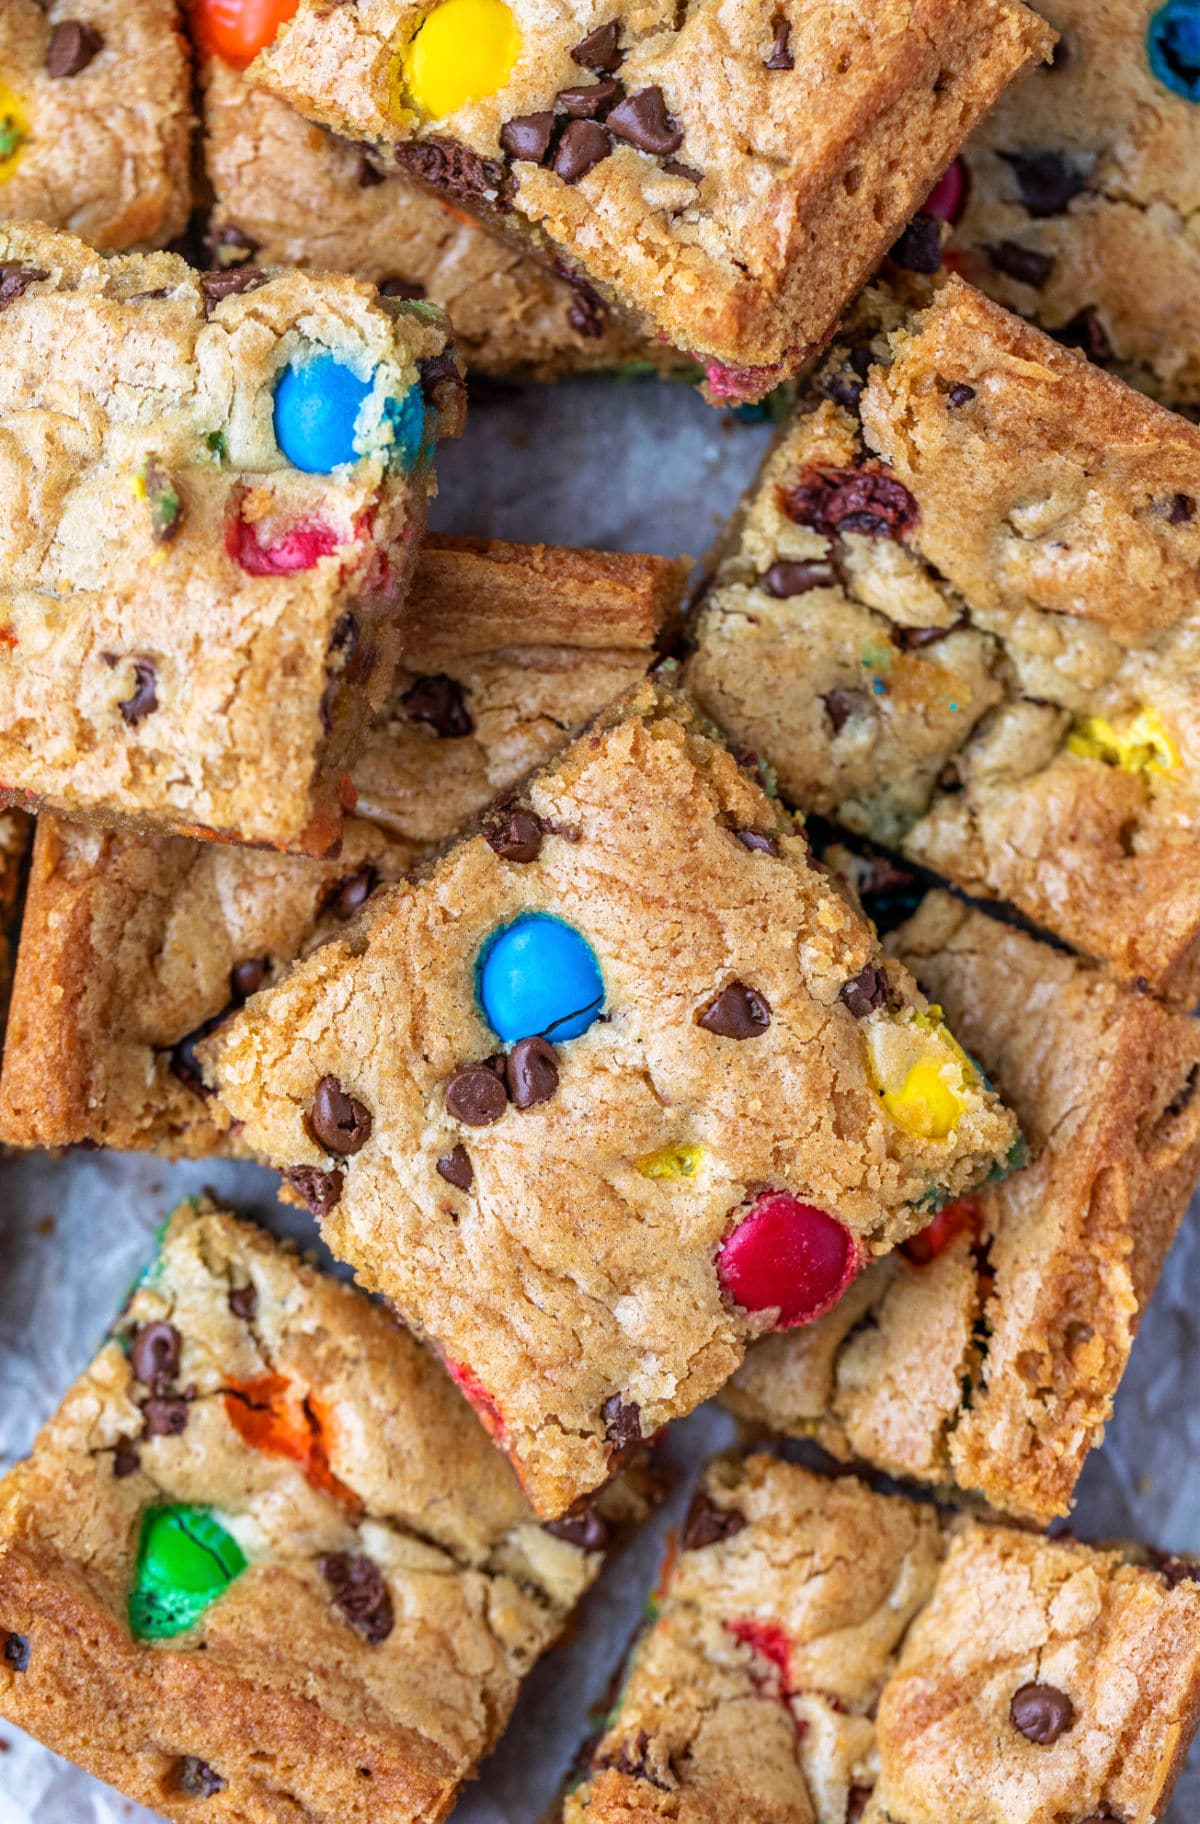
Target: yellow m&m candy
{"points": [[672, 1162], [462, 51], [14, 131], [1140, 745], [923, 1075]]}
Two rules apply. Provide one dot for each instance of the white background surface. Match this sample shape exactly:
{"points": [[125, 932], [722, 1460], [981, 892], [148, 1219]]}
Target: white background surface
{"points": [[638, 467]]}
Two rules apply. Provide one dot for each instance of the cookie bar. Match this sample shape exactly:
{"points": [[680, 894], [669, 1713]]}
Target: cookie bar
{"points": [[986, 1352], [622, 1068], [15, 831], [264, 1556], [95, 119], [134, 945], [821, 1654], [959, 614], [288, 193], [1075, 199], [213, 487], [727, 179]]}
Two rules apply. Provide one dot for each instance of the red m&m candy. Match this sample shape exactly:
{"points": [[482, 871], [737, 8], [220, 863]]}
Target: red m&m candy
{"points": [[948, 198], [239, 29], [789, 1254]]}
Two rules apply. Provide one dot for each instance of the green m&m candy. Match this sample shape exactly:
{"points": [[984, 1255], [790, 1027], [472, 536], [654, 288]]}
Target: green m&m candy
{"points": [[185, 1561]]}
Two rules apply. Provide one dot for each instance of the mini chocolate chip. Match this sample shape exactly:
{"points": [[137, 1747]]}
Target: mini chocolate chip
{"points": [[476, 1096], [866, 991], [243, 1301], [144, 700], [247, 978], [358, 1590], [841, 705], [737, 1013], [960, 393], [165, 1416], [586, 101], [440, 703], [341, 1123], [125, 1458], [787, 578], [754, 839], [528, 136], [622, 1422], [1086, 332], [598, 51], [919, 248], [1042, 1713], [586, 1530], [446, 165], [351, 894], [456, 1168], [1025, 264], [16, 279], [1046, 181], [836, 501], [320, 1190], [154, 1354], [708, 1524], [396, 287], [675, 168], [583, 146], [16, 1652], [1180, 1570], [531, 1072], [642, 119], [197, 1778], [72, 47], [781, 57], [514, 832]]}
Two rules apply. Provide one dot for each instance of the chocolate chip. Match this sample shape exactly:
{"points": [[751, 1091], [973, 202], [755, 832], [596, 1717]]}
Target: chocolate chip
{"points": [[838, 501], [351, 894], [841, 705], [442, 383], [440, 703], [622, 1422], [586, 1530], [960, 394], [919, 248], [125, 1458], [165, 1416], [447, 166], [1086, 332], [708, 1524], [675, 169], [72, 47], [586, 314], [633, 1760], [320, 1190], [1180, 1570], [182, 1060], [737, 1013], [367, 174], [582, 147], [856, 1803], [243, 1301], [476, 1096], [531, 1072], [230, 245], [514, 832], [781, 57], [845, 382], [585, 102], [787, 578], [247, 978], [1046, 181], [1042, 1713], [396, 287], [598, 51], [217, 285], [866, 991], [1179, 510], [197, 1778], [528, 136], [144, 700], [16, 1652], [456, 1168], [16, 279], [358, 1590], [754, 839], [915, 639], [154, 1354], [642, 119], [341, 1123], [1022, 263]]}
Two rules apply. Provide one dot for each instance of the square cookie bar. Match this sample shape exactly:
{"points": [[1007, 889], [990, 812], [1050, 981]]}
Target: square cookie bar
{"points": [[265, 1557], [726, 176], [986, 1352], [95, 119], [959, 614], [1075, 199], [288, 193], [620, 1083], [821, 1654], [134, 946], [213, 490]]}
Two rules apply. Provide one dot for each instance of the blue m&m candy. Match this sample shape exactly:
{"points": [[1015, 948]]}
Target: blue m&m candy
{"points": [[537, 975], [1173, 41], [316, 405], [407, 419]]}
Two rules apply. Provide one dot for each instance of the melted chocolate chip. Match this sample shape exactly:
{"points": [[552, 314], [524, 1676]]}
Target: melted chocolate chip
{"points": [[514, 832], [456, 1168], [915, 639], [528, 136], [182, 1061], [919, 248], [341, 1123], [838, 501], [243, 1301], [165, 1416], [1086, 332], [598, 51], [738, 1012], [451, 168], [144, 700], [586, 1530], [1042, 1713], [531, 1072], [154, 1354], [247, 978], [1179, 510], [708, 1524], [197, 1778], [643, 121], [583, 146], [351, 894], [866, 991], [71, 48], [1024, 264], [16, 1652], [443, 387], [1180, 1570], [476, 1096], [320, 1190], [781, 57], [587, 101], [674, 168], [1046, 181], [125, 1458], [440, 703], [960, 394], [358, 1590], [16, 279], [218, 285], [754, 839], [622, 1422], [841, 705], [787, 578], [396, 287]]}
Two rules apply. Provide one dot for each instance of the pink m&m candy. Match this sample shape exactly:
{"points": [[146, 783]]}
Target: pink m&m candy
{"points": [[789, 1254], [299, 548], [948, 198]]}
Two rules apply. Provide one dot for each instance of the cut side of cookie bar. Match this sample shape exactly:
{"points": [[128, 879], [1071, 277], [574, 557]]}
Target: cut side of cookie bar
{"points": [[95, 119], [134, 946], [264, 1555], [822, 1654], [214, 490], [986, 1352], [621, 1082], [15, 832], [959, 614], [727, 178]]}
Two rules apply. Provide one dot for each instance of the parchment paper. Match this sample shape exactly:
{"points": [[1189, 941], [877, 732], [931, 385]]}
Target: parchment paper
{"points": [[623, 466]]}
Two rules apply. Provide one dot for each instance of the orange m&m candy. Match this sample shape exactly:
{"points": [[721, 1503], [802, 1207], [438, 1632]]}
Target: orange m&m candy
{"points": [[239, 29]]}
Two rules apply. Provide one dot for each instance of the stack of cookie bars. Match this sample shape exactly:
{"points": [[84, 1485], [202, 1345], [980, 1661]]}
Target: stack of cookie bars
{"points": [[776, 987]]}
